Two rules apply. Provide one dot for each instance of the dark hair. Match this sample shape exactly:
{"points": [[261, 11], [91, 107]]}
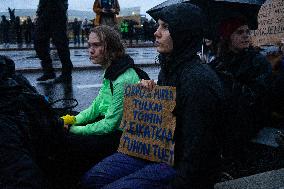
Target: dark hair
{"points": [[225, 29], [222, 47], [114, 48]]}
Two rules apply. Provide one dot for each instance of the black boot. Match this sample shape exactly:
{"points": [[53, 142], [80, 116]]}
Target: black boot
{"points": [[46, 77], [63, 78]]}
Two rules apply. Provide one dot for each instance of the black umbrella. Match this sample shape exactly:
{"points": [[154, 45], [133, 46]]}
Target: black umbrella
{"points": [[219, 10], [164, 4]]}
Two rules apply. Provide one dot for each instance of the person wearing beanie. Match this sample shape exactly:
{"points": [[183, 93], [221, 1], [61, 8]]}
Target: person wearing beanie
{"points": [[198, 105], [245, 74]]}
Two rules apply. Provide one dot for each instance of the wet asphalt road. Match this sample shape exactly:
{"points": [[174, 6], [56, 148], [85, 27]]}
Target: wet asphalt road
{"points": [[87, 77], [28, 60], [84, 87]]}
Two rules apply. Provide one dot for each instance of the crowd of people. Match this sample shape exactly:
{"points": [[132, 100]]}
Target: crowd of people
{"points": [[220, 108], [22, 32]]}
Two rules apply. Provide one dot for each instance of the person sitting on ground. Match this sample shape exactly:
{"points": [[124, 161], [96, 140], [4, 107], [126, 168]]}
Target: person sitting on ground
{"points": [[28, 131], [245, 74], [198, 109], [94, 133]]}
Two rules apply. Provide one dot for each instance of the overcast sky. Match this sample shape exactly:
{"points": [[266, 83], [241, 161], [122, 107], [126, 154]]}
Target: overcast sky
{"points": [[79, 4]]}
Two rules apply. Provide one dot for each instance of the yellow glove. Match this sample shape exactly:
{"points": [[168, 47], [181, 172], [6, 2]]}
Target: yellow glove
{"points": [[68, 119]]}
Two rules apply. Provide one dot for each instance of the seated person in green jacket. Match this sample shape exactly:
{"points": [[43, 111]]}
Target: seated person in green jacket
{"points": [[106, 50], [94, 133]]}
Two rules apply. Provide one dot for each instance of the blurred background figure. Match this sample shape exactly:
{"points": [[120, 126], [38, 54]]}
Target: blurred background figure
{"points": [[28, 28], [124, 30], [18, 31], [85, 30], [5, 25], [106, 11], [76, 27]]}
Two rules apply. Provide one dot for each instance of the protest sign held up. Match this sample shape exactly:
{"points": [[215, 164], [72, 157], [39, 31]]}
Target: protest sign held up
{"points": [[148, 123], [270, 23]]}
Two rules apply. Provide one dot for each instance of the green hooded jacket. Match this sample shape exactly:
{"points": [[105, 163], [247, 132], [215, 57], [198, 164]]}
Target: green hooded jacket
{"points": [[108, 104]]}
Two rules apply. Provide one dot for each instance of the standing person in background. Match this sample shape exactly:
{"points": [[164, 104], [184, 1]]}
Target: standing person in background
{"points": [[146, 30], [51, 23], [5, 26], [76, 27], [28, 28], [18, 30], [85, 30], [106, 11], [124, 30]]}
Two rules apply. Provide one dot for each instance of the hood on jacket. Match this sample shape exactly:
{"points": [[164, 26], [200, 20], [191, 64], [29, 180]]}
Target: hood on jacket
{"points": [[187, 26]]}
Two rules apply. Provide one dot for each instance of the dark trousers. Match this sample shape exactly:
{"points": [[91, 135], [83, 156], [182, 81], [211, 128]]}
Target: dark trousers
{"points": [[6, 37], [45, 30], [28, 37], [122, 171], [77, 154], [18, 166], [76, 38]]}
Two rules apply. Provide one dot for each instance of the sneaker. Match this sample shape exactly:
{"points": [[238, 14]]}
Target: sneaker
{"points": [[63, 79], [46, 77]]}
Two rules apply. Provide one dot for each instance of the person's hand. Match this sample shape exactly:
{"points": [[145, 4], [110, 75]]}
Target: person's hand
{"points": [[148, 84], [104, 10], [66, 127], [68, 119], [112, 10]]}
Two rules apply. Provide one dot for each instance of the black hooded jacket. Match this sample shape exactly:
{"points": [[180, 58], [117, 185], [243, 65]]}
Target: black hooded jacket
{"points": [[246, 78], [28, 129], [199, 96]]}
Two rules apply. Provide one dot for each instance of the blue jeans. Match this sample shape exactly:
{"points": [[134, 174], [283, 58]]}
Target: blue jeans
{"points": [[122, 171]]}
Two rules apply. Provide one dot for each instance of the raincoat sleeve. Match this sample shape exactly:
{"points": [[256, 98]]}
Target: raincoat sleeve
{"points": [[91, 113], [114, 113]]}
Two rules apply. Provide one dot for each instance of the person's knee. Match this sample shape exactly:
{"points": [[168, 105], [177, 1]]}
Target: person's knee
{"points": [[92, 178]]}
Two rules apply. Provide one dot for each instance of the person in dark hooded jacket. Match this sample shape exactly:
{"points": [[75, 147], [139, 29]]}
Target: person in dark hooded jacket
{"points": [[25, 142], [245, 75], [198, 105]]}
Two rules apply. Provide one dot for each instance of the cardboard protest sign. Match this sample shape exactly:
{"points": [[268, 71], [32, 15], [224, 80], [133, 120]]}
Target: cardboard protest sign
{"points": [[270, 24], [148, 123]]}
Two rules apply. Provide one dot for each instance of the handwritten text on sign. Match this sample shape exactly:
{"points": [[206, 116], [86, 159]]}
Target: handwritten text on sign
{"points": [[148, 123], [270, 23]]}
